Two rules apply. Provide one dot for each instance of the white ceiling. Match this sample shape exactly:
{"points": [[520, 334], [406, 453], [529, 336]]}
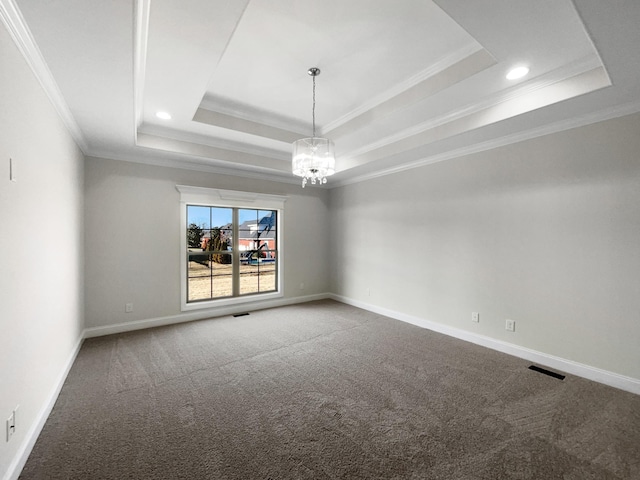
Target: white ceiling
{"points": [[403, 83]]}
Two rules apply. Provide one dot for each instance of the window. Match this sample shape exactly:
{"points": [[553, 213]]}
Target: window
{"points": [[214, 235], [230, 246]]}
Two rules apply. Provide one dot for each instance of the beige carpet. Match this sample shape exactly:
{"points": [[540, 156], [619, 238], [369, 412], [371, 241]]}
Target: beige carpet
{"points": [[326, 391]]}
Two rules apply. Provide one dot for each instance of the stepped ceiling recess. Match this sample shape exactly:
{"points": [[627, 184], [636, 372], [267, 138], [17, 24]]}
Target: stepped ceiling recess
{"points": [[404, 83]]}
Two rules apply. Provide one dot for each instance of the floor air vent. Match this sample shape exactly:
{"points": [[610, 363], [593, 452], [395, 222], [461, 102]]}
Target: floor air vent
{"points": [[546, 372], [241, 314]]}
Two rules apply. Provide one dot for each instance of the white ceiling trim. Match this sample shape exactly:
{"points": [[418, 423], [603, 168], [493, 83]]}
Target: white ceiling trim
{"points": [[402, 128], [570, 88], [213, 142], [211, 117], [452, 75], [221, 150], [230, 157], [141, 34], [242, 112], [584, 120], [518, 91], [402, 87], [587, 34], [231, 198], [17, 27], [194, 165]]}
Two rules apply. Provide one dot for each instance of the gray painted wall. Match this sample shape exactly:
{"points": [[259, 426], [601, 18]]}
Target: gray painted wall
{"points": [[41, 251], [545, 232], [132, 237]]}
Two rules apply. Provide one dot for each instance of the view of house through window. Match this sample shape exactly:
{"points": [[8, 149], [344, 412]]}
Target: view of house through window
{"points": [[230, 252]]}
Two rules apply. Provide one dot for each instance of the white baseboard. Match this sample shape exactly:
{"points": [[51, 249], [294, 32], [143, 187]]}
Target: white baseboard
{"points": [[612, 379], [19, 461], [199, 315]]}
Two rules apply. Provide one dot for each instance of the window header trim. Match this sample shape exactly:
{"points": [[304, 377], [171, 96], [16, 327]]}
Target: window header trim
{"points": [[229, 198]]}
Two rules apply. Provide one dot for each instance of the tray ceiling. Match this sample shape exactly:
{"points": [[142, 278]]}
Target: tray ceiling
{"points": [[402, 84]]}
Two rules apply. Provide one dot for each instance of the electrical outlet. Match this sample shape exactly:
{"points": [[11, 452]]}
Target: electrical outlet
{"points": [[301, 286], [510, 325], [475, 317], [128, 307], [368, 292]]}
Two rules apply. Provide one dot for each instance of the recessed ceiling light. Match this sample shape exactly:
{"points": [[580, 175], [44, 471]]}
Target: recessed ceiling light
{"points": [[163, 115], [517, 72]]}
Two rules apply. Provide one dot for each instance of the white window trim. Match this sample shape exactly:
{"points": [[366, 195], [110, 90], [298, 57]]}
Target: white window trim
{"points": [[227, 198]]}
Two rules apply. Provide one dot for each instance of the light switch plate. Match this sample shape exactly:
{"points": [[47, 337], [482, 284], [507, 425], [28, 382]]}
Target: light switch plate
{"points": [[12, 170]]}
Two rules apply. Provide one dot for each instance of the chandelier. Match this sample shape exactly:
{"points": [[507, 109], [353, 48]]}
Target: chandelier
{"points": [[313, 158]]}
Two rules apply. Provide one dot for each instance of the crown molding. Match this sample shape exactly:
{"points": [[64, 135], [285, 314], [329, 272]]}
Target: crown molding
{"points": [[587, 34], [265, 130], [253, 115], [404, 86], [556, 127], [264, 174], [268, 119], [255, 173], [19, 31], [213, 142], [578, 67]]}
